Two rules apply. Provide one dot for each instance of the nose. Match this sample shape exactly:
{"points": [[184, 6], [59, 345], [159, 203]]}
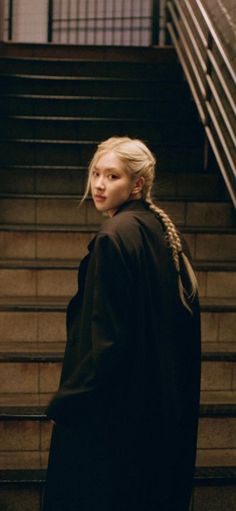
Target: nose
{"points": [[100, 183]]}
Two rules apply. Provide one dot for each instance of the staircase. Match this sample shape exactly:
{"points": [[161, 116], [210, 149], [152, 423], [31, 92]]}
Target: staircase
{"points": [[57, 103]]}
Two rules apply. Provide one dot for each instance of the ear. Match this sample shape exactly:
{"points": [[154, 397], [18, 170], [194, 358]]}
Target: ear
{"points": [[138, 185]]}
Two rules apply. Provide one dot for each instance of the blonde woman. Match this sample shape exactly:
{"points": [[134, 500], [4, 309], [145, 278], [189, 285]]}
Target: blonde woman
{"points": [[127, 407]]}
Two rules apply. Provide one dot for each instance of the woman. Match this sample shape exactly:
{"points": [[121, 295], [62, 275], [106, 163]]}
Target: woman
{"points": [[127, 407]]}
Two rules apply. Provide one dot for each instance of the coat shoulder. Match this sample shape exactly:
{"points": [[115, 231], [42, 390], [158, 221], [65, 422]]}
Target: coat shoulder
{"points": [[129, 225]]}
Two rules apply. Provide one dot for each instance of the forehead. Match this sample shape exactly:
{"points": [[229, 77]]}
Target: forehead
{"points": [[109, 160]]}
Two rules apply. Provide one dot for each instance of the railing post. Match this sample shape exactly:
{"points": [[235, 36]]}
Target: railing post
{"points": [[10, 20], [167, 37], [50, 20], [155, 21], [2, 20], [6, 14]]}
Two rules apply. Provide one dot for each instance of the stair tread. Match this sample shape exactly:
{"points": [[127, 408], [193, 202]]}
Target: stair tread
{"points": [[219, 352], [219, 397], [218, 303], [72, 196], [31, 166], [80, 97], [217, 475], [75, 78], [32, 406], [89, 59], [73, 119], [208, 265], [92, 228], [37, 351], [73, 142], [31, 349]]}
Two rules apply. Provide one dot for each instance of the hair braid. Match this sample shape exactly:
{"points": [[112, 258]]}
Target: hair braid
{"points": [[175, 244]]}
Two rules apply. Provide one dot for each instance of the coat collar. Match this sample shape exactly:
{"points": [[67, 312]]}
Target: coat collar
{"points": [[132, 205]]}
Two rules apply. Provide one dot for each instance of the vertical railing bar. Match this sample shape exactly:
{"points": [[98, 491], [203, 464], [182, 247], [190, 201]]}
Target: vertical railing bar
{"points": [[68, 25], [122, 17], [132, 22], [140, 21], [95, 16], [77, 22], [104, 18], [113, 22], [10, 19], [50, 20], [60, 20], [155, 21], [86, 22]]}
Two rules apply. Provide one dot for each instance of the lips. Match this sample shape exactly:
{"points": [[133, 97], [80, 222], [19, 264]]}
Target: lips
{"points": [[99, 198]]}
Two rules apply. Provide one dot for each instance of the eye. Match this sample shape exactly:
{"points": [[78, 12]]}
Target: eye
{"points": [[112, 177], [95, 173]]}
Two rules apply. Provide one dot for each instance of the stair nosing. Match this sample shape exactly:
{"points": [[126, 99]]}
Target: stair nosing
{"points": [[41, 303], [218, 475], [93, 228], [45, 356], [74, 78], [80, 97], [38, 412], [87, 60], [186, 199], [60, 118], [67, 264]]}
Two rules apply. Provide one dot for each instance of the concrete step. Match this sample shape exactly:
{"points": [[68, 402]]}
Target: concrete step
{"points": [[92, 86], [80, 67], [54, 280], [70, 153], [116, 107], [42, 319], [36, 369], [79, 128], [86, 52], [25, 435], [33, 376], [199, 186], [214, 489], [66, 241], [21, 322], [66, 210]]}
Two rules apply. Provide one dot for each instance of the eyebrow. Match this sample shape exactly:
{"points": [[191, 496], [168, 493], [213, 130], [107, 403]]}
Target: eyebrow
{"points": [[107, 168]]}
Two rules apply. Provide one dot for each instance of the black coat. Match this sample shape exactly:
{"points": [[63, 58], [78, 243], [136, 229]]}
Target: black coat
{"points": [[127, 408]]}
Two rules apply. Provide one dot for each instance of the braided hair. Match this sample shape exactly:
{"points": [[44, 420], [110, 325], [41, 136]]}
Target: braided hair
{"points": [[140, 162]]}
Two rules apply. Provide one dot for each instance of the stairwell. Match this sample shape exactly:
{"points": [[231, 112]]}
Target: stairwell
{"points": [[56, 104]]}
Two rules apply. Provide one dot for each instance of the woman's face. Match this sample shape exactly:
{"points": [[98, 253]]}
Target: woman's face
{"points": [[111, 186]]}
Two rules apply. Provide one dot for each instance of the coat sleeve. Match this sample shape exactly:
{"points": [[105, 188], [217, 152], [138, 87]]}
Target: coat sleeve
{"points": [[112, 309], [93, 378]]}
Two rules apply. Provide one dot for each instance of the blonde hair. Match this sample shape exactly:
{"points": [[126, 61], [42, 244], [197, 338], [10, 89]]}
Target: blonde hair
{"points": [[140, 162]]}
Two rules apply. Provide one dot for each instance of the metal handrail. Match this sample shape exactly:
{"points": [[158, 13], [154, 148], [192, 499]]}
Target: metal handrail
{"points": [[211, 79]]}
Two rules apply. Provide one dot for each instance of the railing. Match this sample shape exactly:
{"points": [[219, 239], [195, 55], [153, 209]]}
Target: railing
{"points": [[6, 19], [211, 78], [93, 22], [103, 22]]}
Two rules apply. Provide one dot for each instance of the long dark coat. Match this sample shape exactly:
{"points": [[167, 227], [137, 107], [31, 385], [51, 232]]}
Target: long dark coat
{"points": [[126, 411]]}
